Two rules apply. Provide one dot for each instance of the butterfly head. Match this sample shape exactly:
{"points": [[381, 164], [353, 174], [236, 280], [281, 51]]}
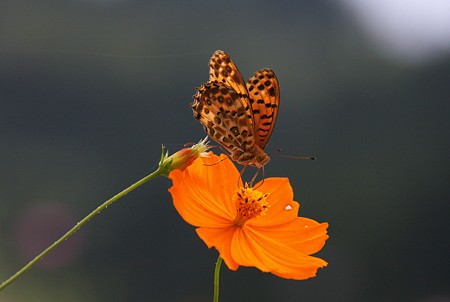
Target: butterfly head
{"points": [[256, 158], [261, 159]]}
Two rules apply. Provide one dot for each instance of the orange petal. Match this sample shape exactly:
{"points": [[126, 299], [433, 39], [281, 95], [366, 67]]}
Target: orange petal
{"points": [[202, 193], [220, 238], [251, 249], [304, 235], [282, 207]]}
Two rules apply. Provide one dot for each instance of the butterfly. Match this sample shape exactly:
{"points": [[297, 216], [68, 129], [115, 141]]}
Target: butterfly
{"points": [[238, 115]]}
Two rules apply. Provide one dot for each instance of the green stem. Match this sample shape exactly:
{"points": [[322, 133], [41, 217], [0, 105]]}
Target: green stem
{"points": [[216, 279], [158, 172]]}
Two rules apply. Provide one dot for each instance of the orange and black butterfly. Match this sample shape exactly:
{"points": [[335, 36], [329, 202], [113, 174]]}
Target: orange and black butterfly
{"points": [[239, 116]]}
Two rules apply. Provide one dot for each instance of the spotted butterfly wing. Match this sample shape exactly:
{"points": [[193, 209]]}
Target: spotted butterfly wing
{"points": [[264, 93], [223, 70], [222, 113]]}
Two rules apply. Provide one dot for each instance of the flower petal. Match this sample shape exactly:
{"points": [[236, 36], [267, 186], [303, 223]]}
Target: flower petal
{"points": [[202, 192], [304, 235], [220, 238], [282, 207], [249, 248]]}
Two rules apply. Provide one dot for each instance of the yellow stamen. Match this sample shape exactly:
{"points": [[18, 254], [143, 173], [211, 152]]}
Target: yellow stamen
{"points": [[250, 203]]}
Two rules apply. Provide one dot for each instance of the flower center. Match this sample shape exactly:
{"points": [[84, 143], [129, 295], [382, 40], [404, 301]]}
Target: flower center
{"points": [[250, 203]]}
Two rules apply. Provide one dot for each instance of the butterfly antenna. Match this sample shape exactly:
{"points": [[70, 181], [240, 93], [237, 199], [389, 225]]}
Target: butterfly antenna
{"points": [[299, 157], [292, 156]]}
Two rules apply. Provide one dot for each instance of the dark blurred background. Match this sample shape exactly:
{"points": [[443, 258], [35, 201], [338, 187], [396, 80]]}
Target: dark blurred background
{"points": [[90, 89]]}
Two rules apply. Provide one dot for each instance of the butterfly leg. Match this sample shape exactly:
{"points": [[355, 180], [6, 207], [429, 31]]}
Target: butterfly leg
{"points": [[240, 180], [254, 177], [224, 152], [221, 160]]}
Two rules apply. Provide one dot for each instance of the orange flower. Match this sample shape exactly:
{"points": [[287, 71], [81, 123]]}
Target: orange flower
{"points": [[255, 226]]}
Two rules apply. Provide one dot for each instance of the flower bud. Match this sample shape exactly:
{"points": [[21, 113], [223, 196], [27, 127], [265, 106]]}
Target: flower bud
{"points": [[183, 158]]}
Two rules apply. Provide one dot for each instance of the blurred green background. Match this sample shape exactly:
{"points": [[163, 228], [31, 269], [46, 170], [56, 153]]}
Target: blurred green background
{"points": [[89, 90]]}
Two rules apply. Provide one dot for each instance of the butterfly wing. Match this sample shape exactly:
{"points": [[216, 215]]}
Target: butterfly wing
{"points": [[264, 93], [223, 70], [222, 112]]}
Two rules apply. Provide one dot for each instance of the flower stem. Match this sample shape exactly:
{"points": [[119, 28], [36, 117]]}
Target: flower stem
{"points": [[79, 225], [216, 279]]}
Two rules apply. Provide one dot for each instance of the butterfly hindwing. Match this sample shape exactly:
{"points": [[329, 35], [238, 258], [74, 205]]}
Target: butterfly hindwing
{"points": [[264, 92]]}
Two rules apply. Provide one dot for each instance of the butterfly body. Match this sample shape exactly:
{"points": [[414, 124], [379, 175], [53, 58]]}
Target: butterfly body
{"points": [[239, 116]]}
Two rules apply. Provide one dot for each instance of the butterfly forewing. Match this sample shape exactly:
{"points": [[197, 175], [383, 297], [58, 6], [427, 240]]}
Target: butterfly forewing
{"points": [[223, 70], [264, 94], [221, 111]]}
